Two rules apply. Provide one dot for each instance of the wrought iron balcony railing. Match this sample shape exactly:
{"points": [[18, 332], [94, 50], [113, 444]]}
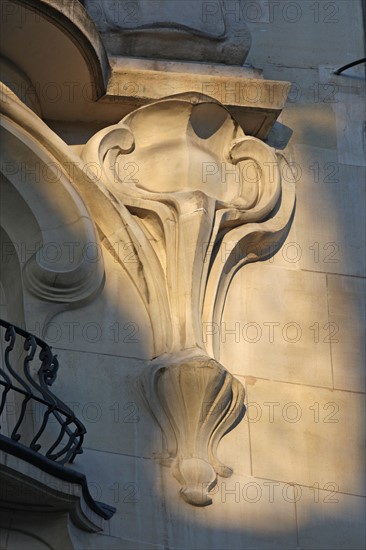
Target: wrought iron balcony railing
{"points": [[38, 419]]}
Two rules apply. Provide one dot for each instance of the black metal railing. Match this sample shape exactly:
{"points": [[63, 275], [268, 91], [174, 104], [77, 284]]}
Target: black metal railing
{"points": [[39, 420]]}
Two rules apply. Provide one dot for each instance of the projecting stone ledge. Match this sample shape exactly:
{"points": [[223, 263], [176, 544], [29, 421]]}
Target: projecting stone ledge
{"points": [[255, 103]]}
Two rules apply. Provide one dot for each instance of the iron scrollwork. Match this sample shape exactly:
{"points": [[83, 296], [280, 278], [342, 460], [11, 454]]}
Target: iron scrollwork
{"points": [[56, 432]]}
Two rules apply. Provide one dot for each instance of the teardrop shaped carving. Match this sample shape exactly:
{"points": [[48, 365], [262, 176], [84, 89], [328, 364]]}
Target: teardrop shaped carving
{"points": [[196, 402]]}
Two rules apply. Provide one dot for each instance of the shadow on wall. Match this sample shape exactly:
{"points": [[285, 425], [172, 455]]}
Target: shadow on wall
{"points": [[98, 381], [103, 347]]}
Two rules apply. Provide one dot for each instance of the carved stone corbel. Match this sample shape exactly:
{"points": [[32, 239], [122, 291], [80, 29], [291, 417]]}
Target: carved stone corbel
{"points": [[198, 199]]}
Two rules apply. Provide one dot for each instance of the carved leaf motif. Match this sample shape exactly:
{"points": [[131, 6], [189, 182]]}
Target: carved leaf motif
{"points": [[195, 401]]}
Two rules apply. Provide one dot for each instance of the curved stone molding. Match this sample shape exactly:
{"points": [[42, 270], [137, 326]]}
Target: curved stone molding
{"points": [[60, 228], [246, 244], [195, 401], [73, 21], [15, 79], [200, 199]]}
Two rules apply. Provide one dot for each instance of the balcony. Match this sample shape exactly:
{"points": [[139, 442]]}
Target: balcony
{"points": [[39, 435], [26, 394]]}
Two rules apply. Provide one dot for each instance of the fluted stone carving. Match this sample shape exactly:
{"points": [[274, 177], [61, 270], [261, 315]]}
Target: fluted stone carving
{"points": [[195, 401], [199, 200]]}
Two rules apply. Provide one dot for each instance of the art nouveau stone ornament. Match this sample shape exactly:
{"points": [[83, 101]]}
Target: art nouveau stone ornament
{"points": [[198, 200]]}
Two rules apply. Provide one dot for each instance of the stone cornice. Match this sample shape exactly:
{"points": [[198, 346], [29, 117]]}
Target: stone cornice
{"points": [[93, 88], [254, 102]]}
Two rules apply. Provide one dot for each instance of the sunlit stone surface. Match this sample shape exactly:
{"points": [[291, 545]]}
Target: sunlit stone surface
{"points": [[121, 212]]}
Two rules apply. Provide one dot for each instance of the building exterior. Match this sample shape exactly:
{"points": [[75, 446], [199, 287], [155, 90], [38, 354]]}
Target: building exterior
{"points": [[183, 222]]}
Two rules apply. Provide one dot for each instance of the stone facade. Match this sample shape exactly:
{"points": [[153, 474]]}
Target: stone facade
{"points": [[209, 326]]}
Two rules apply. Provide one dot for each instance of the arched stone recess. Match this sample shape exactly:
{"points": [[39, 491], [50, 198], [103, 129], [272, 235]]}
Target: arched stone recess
{"points": [[11, 291], [56, 228]]}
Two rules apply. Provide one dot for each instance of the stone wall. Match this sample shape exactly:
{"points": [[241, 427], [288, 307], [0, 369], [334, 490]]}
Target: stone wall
{"points": [[292, 332]]}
